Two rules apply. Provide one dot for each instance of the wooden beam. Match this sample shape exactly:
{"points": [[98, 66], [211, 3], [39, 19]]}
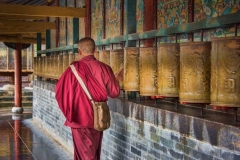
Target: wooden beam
{"points": [[26, 24], [42, 11], [18, 18], [15, 39]]}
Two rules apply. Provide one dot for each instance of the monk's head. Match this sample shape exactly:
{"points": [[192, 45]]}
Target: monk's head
{"points": [[86, 46]]}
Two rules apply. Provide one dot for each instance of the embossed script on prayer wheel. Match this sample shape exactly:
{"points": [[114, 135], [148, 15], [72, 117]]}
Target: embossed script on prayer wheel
{"points": [[131, 69], [195, 71], [71, 57], [116, 62], [104, 56], [60, 66], [225, 72], [96, 55], [65, 61], [148, 71], [168, 59]]}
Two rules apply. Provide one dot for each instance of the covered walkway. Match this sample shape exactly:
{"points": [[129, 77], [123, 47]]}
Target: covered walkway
{"points": [[22, 140]]}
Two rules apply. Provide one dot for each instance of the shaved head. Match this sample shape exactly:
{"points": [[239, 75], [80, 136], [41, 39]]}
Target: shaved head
{"points": [[86, 45]]}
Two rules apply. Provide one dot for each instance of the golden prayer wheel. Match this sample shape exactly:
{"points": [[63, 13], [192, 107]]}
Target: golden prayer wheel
{"points": [[225, 72], [42, 67], [39, 66], [35, 65], [195, 71], [116, 62], [96, 55], [168, 70], [60, 66], [131, 69], [54, 75], [45, 69], [51, 75], [71, 57], [148, 71], [104, 56], [77, 56], [49, 69], [65, 61]]}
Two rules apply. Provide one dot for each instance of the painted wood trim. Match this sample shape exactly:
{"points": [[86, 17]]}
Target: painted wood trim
{"points": [[223, 21], [42, 11]]}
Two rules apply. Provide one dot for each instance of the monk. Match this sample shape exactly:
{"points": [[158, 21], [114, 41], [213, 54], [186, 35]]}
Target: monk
{"points": [[75, 105]]}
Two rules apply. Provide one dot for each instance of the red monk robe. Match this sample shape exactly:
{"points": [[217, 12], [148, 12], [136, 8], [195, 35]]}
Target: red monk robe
{"points": [[76, 107]]}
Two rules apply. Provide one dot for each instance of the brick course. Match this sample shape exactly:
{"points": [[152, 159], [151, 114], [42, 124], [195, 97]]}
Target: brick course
{"points": [[139, 131]]}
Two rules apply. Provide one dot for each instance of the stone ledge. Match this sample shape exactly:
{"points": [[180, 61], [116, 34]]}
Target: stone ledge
{"points": [[210, 128]]}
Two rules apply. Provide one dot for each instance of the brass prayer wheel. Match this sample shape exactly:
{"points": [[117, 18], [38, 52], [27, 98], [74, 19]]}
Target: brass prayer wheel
{"points": [[42, 66], [52, 66], [148, 71], [131, 69], [195, 71], [96, 55], [49, 69], [225, 72], [55, 66], [104, 56], [77, 56], [45, 67], [60, 66], [39, 66], [35, 65], [116, 62], [65, 61], [168, 60], [71, 57]]}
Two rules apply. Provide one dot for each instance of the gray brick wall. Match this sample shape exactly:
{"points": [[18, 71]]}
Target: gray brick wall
{"points": [[48, 116], [141, 132]]}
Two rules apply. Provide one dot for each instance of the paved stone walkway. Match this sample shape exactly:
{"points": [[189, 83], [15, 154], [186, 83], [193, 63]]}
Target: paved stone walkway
{"points": [[22, 140]]}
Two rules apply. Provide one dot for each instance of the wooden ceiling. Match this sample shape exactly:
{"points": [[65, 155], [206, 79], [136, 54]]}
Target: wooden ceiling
{"points": [[23, 19]]}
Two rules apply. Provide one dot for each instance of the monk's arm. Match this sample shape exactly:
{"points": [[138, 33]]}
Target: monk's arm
{"points": [[112, 85]]}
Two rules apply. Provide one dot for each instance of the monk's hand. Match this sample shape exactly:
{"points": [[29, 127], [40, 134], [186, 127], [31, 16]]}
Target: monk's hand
{"points": [[119, 76]]}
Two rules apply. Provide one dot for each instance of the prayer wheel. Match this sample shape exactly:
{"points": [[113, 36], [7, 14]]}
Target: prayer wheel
{"points": [[225, 72], [45, 67], [104, 56], [52, 66], [148, 71], [60, 66], [96, 55], [35, 65], [49, 69], [41, 70], [65, 61], [131, 69], [55, 66], [77, 57], [116, 62], [195, 71], [39, 66], [71, 57], [168, 70]]}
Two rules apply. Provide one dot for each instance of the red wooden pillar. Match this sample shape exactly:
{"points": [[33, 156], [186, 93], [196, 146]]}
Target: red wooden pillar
{"points": [[18, 80], [88, 18], [149, 20]]}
